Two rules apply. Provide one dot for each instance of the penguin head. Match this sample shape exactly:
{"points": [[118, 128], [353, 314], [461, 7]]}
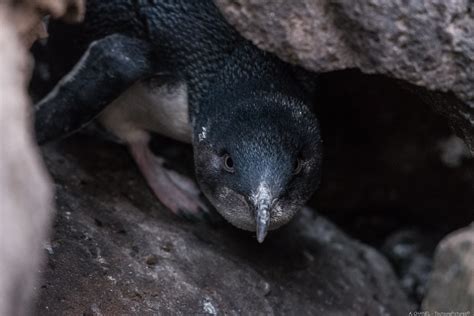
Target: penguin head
{"points": [[260, 162]]}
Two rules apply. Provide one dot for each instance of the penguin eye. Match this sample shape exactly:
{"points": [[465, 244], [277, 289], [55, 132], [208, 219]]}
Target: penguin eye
{"points": [[298, 166], [228, 163]]}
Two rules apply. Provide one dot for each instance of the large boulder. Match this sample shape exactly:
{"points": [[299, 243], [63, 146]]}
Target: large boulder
{"points": [[116, 250], [425, 43]]}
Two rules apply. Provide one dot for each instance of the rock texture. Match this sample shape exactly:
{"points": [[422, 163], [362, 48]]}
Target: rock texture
{"points": [[451, 288], [411, 252], [427, 43], [117, 251]]}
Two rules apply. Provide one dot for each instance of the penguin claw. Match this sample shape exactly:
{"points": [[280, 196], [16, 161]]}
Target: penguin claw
{"points": [[183, 205], [202, 214]]}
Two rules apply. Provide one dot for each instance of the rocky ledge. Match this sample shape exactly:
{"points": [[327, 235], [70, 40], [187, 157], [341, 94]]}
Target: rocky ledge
{"points": [[116, 250]]}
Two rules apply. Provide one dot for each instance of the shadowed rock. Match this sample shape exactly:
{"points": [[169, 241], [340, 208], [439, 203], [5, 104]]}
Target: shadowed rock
{"points": [[117, 251]]}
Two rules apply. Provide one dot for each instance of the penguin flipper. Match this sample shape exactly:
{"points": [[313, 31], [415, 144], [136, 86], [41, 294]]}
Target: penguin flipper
{"points": [[108, 67]]}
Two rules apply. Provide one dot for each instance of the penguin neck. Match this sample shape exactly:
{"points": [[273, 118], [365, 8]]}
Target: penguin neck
{"points": [[247, 71], [250, 69], [248, 80]]}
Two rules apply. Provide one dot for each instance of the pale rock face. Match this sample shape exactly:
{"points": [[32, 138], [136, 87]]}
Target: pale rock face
{"points": [[451, 287], [25, 190]]}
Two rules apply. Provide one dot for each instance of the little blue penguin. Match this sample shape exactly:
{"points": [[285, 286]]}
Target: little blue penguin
{"points": [[177, 68]]}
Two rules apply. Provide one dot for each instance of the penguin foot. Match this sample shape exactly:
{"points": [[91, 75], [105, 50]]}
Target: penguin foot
{"points": [[175, 191]]}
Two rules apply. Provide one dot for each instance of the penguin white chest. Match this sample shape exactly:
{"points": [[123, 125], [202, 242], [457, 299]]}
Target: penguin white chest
{"points": [[142, 109]]}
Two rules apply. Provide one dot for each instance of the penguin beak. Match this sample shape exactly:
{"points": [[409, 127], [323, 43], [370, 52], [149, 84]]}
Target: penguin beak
{"points": [[262, 218], [262, 203]]}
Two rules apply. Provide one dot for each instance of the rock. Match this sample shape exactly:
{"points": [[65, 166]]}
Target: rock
{"points": [[451, 287], [116, 250], [426, 43], [410, 251], [25, 189], [25, 192]]}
